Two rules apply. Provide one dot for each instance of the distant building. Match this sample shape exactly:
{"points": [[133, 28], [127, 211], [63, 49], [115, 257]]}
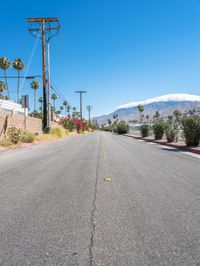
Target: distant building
{"points": [[11, 106]]}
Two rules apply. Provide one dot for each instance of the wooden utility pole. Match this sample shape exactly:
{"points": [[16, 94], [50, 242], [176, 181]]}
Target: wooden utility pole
{"points": [[48, 28], [89, 108], [44, 66], [80, 93]]}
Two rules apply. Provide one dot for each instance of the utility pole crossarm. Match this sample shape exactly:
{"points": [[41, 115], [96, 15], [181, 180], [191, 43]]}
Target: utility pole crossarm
{"points": [[57, 28], [44, 19]]}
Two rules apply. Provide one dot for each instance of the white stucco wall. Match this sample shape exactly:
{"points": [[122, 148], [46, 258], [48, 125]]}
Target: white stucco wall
{"points": [[9, 106]]}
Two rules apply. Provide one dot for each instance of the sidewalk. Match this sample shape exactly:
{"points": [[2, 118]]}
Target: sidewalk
{"points": [[177, 145]]}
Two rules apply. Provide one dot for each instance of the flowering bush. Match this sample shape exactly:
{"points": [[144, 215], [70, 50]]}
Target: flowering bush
{"points": [[191, 129], [71, 123]]}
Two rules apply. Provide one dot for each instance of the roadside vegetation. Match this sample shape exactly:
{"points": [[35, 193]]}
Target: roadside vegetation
{"points": [[65, 128], [116, 126], [185, 126], [144, 128]]}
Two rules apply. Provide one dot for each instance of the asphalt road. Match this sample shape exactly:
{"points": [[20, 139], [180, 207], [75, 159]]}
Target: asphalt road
{"points": [[56, 208]]}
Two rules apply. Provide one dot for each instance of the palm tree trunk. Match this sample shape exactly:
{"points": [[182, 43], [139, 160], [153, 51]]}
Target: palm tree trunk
{"points": [[18, 86], [34, 100], [6, 83], [54, 104]]}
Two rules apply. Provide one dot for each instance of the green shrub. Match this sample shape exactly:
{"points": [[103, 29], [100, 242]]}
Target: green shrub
{"points": [[122, 128], [191, 130], [144, 129], [14, 135], [158, 129], [107, 128], [171, 129], [27, 137]]}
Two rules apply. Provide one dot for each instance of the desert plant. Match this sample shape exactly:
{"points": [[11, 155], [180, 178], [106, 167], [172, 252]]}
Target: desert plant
{"points": [[122, 127], [27, 137], [158, 129], [191, 129], [14, 135], [144, 129]]}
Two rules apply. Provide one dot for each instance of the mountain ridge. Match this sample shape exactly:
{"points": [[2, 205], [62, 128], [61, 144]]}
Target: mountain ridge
{"points": [[165, 104]]}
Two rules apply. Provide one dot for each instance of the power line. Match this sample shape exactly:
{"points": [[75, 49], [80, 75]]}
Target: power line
{"points": [[30, 61]]}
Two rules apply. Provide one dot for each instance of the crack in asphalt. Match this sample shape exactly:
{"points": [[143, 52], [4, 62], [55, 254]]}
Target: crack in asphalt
{"points": [[93, 226]]}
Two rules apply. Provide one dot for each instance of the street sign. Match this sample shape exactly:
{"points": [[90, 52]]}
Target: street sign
{"points": [[25, 101]]}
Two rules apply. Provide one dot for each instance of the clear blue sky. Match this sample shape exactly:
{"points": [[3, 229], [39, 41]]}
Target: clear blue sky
{"points": [[118, 50]]}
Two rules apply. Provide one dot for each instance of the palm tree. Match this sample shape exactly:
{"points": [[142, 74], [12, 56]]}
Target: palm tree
{"points": [[54, 98], [52, 109], [2, 88], [74, 112], [4, 65], [177, 114], [61, 108], [109, 122], [157, 115], [18, 64], [68, 109], [65, 103], [141, 110], [40, 100], [35, 85], [115, 116]]}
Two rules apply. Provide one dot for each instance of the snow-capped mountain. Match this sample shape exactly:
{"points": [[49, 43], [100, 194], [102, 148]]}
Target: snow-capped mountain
{"points": [[165, 104], [165, 98]]}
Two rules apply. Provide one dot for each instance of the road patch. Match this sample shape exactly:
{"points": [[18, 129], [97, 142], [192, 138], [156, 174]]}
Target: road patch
{"points": [[107, 178]]}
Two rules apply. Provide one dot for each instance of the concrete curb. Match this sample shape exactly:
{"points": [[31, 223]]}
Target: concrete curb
{"points": [[173, 145]]}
